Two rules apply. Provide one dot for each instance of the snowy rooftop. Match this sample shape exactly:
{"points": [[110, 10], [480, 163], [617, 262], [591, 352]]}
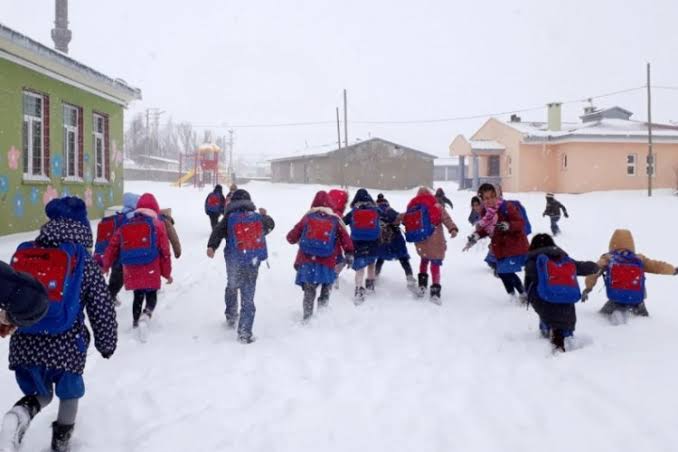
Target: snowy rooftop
{"points": [[486, 145], [446, 161], [29, 53]]}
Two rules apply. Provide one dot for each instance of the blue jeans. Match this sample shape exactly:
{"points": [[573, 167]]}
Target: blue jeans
{"points": [[241, 277], [555, 230], [44, 381]]}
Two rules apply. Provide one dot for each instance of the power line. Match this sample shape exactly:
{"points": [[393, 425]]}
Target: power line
{"points": [[672, 88]]}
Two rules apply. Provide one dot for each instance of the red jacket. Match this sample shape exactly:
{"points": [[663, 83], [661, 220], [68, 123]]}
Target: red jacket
{"points": [[430, 201], [147, 276], [343, 240], [512, 242]]}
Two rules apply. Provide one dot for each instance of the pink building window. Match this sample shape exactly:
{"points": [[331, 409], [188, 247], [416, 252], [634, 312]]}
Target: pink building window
{"points": [[631, 160]]}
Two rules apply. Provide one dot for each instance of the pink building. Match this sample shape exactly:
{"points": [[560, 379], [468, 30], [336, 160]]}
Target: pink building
{"points": [[607, 150]]}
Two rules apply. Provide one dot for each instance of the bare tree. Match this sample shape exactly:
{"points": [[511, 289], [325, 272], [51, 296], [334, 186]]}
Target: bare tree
{"points": [[186, 136], [135, 137]]}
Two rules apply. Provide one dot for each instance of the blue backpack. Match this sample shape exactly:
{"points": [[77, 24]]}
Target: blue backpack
{"points": [[138, 241], [418, 226], [527, 227], [214, 204], [557, 280], [60, 270], [246, 238], [319, 236], [105, 230], [625, 278], [365, 224]]}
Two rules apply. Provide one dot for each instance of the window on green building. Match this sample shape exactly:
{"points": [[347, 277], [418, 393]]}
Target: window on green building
{"points": [[100, 144], [33, 136], [71, 133]]}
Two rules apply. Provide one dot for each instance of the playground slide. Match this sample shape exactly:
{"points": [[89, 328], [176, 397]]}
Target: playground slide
{"points": [[185, 178]]}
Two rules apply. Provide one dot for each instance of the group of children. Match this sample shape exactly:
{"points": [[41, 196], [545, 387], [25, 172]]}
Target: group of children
{"points": [[54, 280], [550, 283]]}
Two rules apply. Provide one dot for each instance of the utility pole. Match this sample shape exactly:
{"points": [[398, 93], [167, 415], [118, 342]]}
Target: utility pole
{"points": [[338, 131], [345, 121], [650, 156], [230, 156], [148, 131]]}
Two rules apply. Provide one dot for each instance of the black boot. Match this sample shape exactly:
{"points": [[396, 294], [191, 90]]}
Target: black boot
{"points": [[61, 437], [435, 293], [31, 404], [557, 340], [369, 286], [423, 283]]}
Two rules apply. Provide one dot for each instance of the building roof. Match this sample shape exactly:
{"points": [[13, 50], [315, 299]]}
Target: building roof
{"points": [[29, 53], [600, 125], [446, 161], [323, 154], [486, 145]]}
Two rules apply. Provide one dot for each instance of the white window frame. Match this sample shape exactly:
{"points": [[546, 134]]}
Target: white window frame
{"points": [[633, 165], [71, 129], [99, 137], [29, 121]]}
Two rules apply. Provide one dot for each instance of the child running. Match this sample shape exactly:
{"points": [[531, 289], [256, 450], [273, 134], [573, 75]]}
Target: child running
{"points": [[552, 288], [142, 246], [365, 231], [624, 273], [49, 356], [322, 236], [392, 245], [424, 223], [244, 230], [552, 210]]}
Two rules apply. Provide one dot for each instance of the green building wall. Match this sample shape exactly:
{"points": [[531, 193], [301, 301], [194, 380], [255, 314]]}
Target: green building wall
{"points": [[22, 202]]}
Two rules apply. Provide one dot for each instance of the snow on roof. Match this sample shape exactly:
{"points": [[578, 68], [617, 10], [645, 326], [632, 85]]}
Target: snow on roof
{"points": [[446, 161], [29, 53], [158, 159], [486, 145]]}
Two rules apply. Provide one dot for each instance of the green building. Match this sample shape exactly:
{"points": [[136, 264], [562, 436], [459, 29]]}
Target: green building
{"points": [[61, 132]]}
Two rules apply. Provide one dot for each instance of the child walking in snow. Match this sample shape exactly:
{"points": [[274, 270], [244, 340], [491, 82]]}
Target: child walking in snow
{"points": [[214, 205], [244, 229], [365, 231], [552, 210], [552, 289], [321, 235], [424, 221], [142, 246], [624, 273], [49, 356], [392, 245], [338, 200]]}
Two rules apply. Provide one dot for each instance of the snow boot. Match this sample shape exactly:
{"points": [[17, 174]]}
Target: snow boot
{"points": [[558, 340], [61, 437], [435, 294], [324, 298], [369, 286], [423, 284], [359, 297], [640, 310], [544, 329], [16, 422], [246, 339]]}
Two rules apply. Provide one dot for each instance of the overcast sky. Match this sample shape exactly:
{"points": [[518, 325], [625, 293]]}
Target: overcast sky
{"points": [[273, 61]]}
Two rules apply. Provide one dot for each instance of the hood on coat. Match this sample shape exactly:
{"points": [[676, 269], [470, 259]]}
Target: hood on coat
{"points": [[64, 230], [148, 201], [129, 201], [240, 195], [622, 239], [362, 196], [70, 207], [339, 199], [240, 205], [553, 252], [322, 199], [382, 201], [218, 189]]}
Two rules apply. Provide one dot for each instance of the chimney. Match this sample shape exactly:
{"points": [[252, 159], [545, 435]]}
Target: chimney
{"points": [[61, 34], [554, 116], [515, 118]]}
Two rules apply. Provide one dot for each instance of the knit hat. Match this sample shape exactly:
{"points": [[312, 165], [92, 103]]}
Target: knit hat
{"points": [[240, 195], [70, 207], [148, 201], [322, 199], [381, 199], [218, 189], [549, 195]]}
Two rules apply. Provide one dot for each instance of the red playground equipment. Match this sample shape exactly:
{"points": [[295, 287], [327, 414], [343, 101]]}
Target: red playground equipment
{"points": [[202, 166]]}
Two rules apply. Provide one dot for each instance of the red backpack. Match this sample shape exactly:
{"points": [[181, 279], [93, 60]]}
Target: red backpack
{"points": [[365, 224], [213, 204]]}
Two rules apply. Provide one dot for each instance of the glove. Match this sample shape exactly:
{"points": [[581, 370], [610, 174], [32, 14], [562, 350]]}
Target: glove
{"points": [[454, 232], [106, 355], [585, 295], [349, 259], [503, 226], [567, 216]]}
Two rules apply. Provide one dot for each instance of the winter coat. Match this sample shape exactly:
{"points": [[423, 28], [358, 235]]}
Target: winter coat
{"points": [[363, 248], [392, 244], [512, 242], [238, 203], [222, 201], [622, 240], [68, 351], [166, 217], [474, 217], [434, 247], [343, 241], [553, 208], [22, 297], [144, 276], [555, 315]]}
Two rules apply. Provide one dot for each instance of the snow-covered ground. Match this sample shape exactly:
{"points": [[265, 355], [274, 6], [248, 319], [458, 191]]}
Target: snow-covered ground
{"points": [[395, 374]]}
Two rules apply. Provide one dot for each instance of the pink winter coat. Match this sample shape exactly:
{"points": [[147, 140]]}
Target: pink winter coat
{"points": [[146, 276]]}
